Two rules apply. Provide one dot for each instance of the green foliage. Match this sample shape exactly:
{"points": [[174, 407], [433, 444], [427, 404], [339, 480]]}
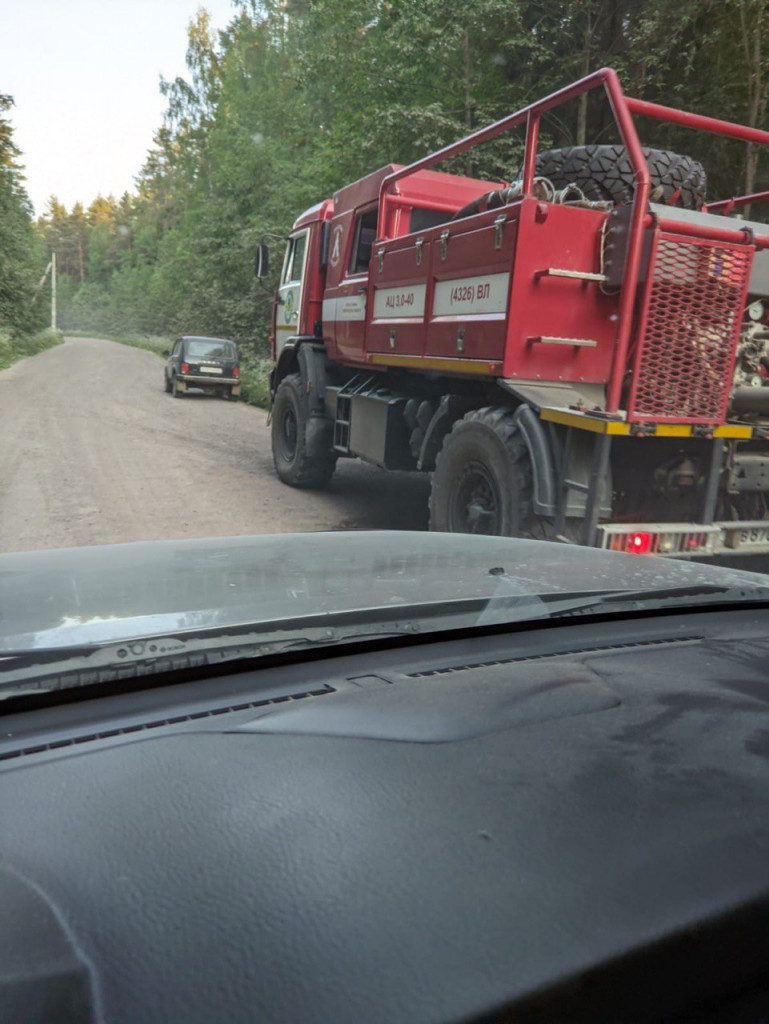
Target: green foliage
{"points": [[148, 342], [21, 256], [295, 99], [255, 381], [15, 346]]}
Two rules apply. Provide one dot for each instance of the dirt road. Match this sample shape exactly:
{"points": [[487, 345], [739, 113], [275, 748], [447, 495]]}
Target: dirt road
{"points": [[94, 452]]}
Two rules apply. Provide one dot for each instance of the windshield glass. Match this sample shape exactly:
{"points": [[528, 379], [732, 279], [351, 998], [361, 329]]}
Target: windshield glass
{"points": [[205, 349], [325, 306]]}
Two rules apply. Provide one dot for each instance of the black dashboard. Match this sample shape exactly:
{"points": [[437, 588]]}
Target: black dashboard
{"points": [[557, 822]]}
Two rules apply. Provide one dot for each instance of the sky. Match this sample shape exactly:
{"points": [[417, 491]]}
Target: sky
{"points": [[85, 78]]}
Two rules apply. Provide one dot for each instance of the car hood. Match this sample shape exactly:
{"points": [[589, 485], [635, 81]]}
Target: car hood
{"points": [[111, 593]]}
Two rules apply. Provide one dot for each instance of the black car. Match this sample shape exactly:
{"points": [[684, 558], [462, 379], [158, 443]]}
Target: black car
{"points": [[209, 364]]}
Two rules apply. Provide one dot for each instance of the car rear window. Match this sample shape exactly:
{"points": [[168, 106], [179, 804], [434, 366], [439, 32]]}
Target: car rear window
{"points": [[203, 349]]}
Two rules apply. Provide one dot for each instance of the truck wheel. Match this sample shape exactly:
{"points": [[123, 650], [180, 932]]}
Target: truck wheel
{"points": [[289, 423], [175, 389], [605, 172], [482, 477]]}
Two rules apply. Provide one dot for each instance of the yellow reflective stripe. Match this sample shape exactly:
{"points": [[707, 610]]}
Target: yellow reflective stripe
{"points": [[573, 419], [615, 427], [731, 431], [488, 369], [671, 430]]}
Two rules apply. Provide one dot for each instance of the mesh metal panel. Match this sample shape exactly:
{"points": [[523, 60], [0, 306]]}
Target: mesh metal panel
{"points": [[688, 330]]}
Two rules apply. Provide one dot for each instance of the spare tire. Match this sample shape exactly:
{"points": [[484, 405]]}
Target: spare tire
{"points": [[605, 173]]}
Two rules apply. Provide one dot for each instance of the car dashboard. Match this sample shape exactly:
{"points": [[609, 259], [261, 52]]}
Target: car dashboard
{"points": [[550, 822]]}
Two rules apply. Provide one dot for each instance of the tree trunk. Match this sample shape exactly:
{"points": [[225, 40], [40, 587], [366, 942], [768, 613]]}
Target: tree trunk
{"points": [[587, 39], [752, 14], [469, 166]]}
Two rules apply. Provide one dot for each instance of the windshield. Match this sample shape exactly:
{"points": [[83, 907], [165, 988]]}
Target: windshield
{"points": [[205, 349], [315, 309]]}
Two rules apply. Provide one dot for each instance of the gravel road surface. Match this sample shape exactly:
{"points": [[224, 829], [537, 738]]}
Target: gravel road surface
{"points": [[94, 452]]}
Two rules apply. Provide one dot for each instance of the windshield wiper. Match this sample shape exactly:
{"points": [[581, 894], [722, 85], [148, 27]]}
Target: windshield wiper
{"points": [[49, 669], [565, 605]]}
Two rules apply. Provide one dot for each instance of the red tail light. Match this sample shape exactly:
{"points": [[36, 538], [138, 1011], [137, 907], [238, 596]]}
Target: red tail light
{"points": [[236, 372], [639, 543], [185, 367]]}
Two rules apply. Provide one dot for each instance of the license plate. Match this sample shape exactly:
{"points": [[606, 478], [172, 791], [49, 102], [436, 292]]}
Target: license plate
{"points": [[752, 536], [211, 369]]}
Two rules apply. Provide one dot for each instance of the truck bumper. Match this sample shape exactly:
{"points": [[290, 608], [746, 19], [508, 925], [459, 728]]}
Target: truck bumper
{"points": [[686, 540]]}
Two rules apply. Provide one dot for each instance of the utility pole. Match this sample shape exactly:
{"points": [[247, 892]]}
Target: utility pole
{"points": [[53, 291]]}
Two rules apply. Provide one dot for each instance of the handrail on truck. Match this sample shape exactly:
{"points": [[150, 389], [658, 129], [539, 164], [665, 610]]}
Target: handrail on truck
{"points": [[623, 107]]}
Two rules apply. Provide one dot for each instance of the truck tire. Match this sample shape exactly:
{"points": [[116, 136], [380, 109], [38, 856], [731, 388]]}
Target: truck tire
{"points": [[605, 173], [289, 421], [482, 477]]}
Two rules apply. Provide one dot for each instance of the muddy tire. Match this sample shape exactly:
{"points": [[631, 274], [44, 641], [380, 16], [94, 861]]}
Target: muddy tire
{"points": [[482, 479], [167, 383], [605, 173], [175, 389], [290, 416]]}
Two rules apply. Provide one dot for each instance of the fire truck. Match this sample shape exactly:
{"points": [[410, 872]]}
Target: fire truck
{"points": [[581, 353]]}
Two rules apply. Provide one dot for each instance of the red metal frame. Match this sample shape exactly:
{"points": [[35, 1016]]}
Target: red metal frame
{"points": [[726, 206], [699, 278], [624, 108]]}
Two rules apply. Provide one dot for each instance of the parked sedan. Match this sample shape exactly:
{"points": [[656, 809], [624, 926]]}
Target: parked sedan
{"points": [[210, 364]]}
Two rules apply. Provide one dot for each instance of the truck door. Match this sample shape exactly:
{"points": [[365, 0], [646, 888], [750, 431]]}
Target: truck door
{"points": [[289, 303], [344, 309]]}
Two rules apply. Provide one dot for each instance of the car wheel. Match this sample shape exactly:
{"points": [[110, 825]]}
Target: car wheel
{"points": [[290, 415], [167, 383], [175, 389], [482, 478]]}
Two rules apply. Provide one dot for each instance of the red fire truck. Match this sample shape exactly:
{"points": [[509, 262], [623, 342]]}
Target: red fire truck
{"points": [[581, 353]]}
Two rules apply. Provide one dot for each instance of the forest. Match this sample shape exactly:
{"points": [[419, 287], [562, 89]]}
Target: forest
{"points": [[298, 97]]}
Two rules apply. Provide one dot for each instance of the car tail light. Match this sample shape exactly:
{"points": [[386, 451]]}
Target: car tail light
{"points": [[236, 372], [185, 367]]}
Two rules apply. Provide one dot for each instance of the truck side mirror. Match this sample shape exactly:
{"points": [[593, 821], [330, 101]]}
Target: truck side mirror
{"points": [[261, 262]]}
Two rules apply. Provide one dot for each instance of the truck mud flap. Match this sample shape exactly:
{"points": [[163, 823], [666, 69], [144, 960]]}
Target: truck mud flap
{"points": [[312, 360], [542, 469]]}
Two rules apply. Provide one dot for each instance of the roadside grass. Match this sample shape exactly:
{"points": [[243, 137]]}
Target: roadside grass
{"points": [[255, 381], [15, 347], [254, 371]]}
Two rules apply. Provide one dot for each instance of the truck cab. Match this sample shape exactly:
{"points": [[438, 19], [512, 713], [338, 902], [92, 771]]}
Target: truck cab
{"points": [[325, 289]]}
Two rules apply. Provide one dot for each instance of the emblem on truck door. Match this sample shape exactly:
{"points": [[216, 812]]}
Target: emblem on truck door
{"points": [[335, 246], [288, 306]]}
